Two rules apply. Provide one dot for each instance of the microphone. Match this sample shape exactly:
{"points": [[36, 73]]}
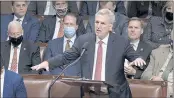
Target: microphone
{"points": [[83, 51]]}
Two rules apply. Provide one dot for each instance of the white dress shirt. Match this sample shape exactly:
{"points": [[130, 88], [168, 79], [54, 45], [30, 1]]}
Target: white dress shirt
{"points": [[49, 10], [21, 19], [2, 82], [11, 56], [104, 46], [57, 27], [135, 44], [72, 40]]}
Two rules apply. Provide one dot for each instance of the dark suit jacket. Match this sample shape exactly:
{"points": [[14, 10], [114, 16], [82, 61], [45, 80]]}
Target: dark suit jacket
{"points": [[89, 8], [29, 56], [13, 86], [118, 48], [144, 50], [38, 7], [47, 29], [119, 27], [30, 26], [141, 8], [54, 48]]}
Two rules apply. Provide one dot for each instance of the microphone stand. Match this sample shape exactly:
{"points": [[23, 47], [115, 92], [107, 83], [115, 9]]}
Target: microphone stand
{"points": [[49, 89]]}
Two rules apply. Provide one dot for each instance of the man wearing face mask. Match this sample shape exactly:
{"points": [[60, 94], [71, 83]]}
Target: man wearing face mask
{"points": [[158, 30], [19, 55], [59, 45], [52, 27]]}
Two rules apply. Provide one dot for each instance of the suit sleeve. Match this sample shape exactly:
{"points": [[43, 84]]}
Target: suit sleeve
{"points": [[34, 30], [47, 52], [147, 36], [88, 27], [147, 74], [120, 7], [84, 9], [36, 59], [67, 57], [20, 90], [81, 28]]}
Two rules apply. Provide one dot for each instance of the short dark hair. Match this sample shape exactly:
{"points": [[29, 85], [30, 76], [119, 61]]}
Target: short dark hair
{"points": [[54, 2], [136, 19], [72, 15], [27, 2]]}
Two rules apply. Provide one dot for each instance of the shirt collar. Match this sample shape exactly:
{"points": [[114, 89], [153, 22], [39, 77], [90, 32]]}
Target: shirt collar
{"points": [[19, 46], [105, 40], [135, 43], [71, 40], [22, 18]]}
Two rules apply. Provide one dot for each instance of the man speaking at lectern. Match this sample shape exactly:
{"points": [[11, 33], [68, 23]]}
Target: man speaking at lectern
{"points": [[104, 57]]}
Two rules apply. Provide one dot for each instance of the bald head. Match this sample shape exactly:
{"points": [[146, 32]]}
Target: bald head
{"points": [[15, 29]]}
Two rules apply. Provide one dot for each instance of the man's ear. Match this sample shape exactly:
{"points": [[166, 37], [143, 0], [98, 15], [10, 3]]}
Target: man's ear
{"points": [[12, 9], [76, 27], [110, 27], [142, 31]]}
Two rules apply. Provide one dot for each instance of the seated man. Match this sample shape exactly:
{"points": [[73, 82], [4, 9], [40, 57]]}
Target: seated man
{"points": [[158, 30], [19, 55], [12, 85], [52, 28], [120, 24], [59, 45], [29, 23], [161, 67], [135, 29]]}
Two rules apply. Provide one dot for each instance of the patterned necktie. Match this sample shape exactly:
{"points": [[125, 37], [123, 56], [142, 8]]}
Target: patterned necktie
{"points": [[14, 61], [98, 67], [67, 47], [61, 31]]}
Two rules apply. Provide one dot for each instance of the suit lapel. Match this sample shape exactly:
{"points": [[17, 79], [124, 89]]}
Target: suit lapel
{"points": [[109, 51], [140, 47], [7, 56], [22, 55]]}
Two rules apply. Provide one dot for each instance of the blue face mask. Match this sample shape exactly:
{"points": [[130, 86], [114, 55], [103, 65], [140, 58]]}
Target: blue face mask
{"points": [[69, 32]]}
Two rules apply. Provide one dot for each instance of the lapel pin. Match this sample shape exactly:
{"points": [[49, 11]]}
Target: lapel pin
{"points": [[25, 22], [141, 49], [24, 48]]}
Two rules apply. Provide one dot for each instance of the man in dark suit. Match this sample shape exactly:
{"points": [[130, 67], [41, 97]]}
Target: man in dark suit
{"points": [[12, 85], [120, 24], [91, 7], [135, 29], [41, 7], [59, 45], [51, 26], [19, 55], [104, 56], [29, 23]]}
